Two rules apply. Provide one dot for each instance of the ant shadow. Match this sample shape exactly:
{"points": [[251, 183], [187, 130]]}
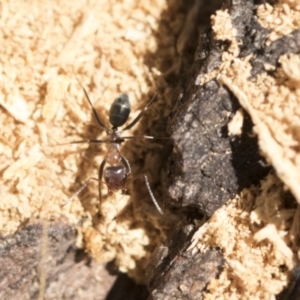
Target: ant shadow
{"points": [[86, 167]]}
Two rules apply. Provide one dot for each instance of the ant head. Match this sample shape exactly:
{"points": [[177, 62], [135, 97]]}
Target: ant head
{"points": [[119, 111]]}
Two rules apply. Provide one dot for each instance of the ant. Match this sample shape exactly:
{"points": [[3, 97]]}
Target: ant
{"points": [[116, 174]]}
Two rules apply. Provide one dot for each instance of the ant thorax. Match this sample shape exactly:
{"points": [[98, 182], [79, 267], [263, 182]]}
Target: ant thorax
{"points": [[115, 175], [113, 156], [114, 135]]}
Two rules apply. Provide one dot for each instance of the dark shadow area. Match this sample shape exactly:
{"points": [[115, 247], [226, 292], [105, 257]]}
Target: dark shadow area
{"points": [[249, 165], [126, 288], [86, 164], [292, 292], [177, 36]]}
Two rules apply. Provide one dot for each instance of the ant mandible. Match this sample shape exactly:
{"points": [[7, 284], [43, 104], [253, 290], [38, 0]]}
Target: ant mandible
{"points": [[116, 174]]}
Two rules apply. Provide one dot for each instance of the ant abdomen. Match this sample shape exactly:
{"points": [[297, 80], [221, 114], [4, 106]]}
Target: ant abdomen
{"points": [[119, 111], [115, 178]]}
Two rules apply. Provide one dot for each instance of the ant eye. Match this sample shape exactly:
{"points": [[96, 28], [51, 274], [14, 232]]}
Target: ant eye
{"points": [[119, 111]]}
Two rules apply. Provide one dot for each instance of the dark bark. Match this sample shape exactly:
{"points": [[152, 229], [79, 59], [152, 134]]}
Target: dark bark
{"points": [[21, 256], [178, 274], [208, 167], [292, 292], [41, 250]]}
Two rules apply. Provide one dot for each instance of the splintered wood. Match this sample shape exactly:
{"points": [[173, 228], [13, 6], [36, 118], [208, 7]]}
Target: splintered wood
{"points": [[50, 47]]}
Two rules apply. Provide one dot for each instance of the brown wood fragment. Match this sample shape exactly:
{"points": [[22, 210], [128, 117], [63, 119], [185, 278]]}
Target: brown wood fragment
{"points": [[182, 274], [21, 258], [209, 166]]}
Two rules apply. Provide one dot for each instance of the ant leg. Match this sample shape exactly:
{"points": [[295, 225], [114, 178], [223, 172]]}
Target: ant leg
{"points": [[80, 190], [152, 195], [83, 141], [100, 183], [128, 169], [94, 110], [150, 192], [127, 165], [130, 125], [147, 137]]}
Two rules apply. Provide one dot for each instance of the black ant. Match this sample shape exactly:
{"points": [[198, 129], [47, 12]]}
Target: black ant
{"points": [[116, 174]]}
